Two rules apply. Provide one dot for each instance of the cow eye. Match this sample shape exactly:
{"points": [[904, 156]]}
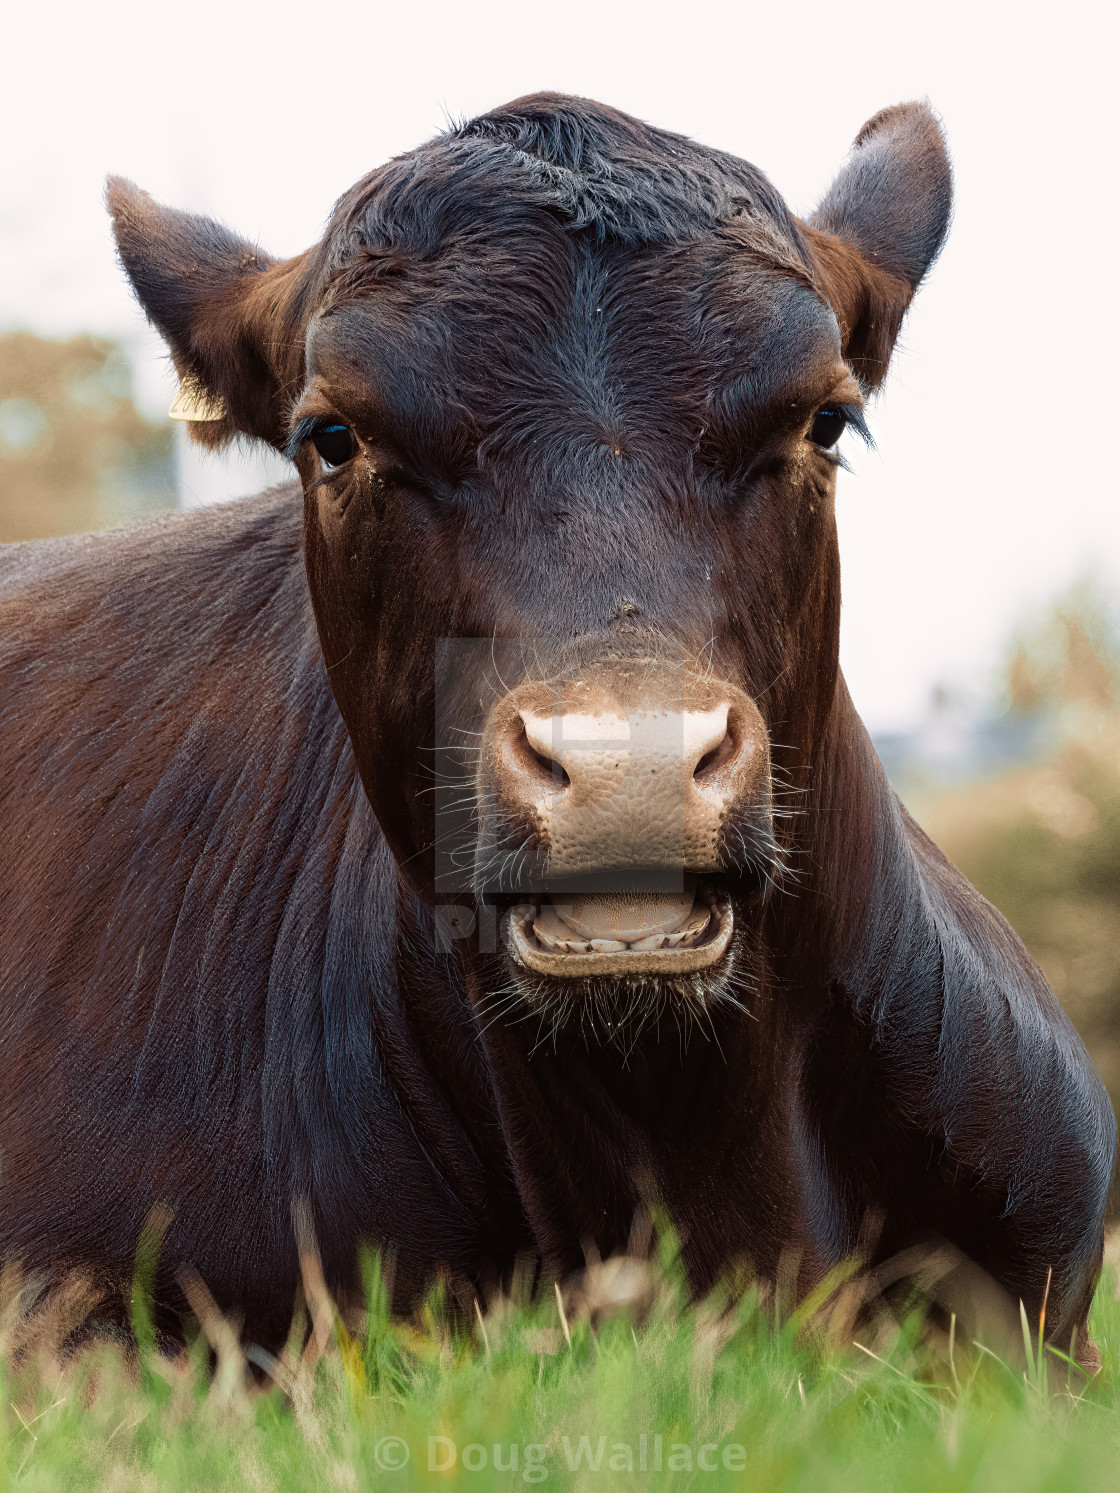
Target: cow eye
{"points": [[334, 443], [827, 427]]}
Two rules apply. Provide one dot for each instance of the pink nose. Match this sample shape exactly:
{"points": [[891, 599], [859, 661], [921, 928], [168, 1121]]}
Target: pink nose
{"points": [[614, 784]]}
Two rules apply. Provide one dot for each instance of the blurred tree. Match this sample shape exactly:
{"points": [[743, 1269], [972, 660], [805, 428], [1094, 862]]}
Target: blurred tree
{"points": [[1043, 841], [75, 453]]}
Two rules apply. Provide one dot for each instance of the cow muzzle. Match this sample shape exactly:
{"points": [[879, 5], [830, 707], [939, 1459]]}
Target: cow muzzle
{"points": [[628, 792]]}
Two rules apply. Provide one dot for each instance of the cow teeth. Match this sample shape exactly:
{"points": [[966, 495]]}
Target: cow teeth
{"points": [[556, 935], [695, 929], [549, 928]]}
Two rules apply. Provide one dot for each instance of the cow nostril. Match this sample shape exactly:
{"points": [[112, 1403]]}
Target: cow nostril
{"points": [[713, 760], [540, 765]]}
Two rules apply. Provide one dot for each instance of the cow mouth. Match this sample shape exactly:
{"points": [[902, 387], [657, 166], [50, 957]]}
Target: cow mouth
{"points": [[573, 935]]}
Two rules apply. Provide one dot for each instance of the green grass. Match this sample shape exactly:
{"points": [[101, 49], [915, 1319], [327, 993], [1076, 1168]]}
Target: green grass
{"points": [[793, 1406]]}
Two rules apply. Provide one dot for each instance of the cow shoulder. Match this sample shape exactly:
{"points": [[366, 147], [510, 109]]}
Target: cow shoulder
{"points": [[168, 742], [118, 616]]}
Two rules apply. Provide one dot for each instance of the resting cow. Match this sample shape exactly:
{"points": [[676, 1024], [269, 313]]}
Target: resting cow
{"points": [[484, 837]]}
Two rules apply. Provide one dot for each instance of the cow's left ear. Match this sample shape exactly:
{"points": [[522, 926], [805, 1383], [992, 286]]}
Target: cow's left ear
{"points": [[232, 317], [879, 227]]}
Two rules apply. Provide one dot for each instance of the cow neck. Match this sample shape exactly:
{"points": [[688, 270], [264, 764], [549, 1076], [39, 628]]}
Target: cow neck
{"points": [[863, 876]]}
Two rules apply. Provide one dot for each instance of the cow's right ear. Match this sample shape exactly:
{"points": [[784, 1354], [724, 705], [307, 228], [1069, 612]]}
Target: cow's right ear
{"points": [[878, 229], [232, 317]]}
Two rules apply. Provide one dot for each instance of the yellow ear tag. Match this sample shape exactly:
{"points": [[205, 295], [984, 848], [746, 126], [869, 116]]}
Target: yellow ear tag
{"points": [[193, 403]]}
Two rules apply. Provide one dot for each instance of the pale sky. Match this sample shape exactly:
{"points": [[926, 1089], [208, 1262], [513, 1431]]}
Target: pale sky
{"points": [[992, 486]]}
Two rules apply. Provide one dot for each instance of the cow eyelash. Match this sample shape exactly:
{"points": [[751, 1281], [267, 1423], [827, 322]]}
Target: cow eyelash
{"points": [[334, 441], [850, 417]]}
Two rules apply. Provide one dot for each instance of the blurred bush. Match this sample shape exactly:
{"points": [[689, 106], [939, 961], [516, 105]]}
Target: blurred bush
{"points": [[75, 453], [1042, 840]]}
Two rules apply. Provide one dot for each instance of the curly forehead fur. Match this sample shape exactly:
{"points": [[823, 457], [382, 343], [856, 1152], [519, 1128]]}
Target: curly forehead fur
{"points": [[584, 166]]}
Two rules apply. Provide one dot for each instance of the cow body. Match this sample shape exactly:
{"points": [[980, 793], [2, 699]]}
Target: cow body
{"points": [[227, 978]]}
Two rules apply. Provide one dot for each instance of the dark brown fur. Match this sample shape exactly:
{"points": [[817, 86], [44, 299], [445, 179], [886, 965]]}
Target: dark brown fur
{"points": [[581, 357]]}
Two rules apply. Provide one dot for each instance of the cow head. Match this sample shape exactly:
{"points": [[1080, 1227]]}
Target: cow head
{"points": [[565, 393]]}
